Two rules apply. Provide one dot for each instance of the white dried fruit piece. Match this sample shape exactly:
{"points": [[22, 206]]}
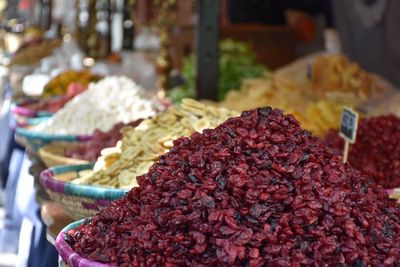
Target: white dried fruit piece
{"points": [[168, 143], [111, 151], [142, 146]]}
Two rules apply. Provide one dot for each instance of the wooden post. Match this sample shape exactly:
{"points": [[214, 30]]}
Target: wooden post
{"points": [[346, 150], [207, 49]]}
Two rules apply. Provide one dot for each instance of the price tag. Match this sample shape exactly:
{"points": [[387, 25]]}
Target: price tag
{"points": [[348, 129]]}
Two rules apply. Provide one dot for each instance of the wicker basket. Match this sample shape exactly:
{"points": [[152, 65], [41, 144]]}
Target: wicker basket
{"points": [[36, 140], [80, 201], [53, 155], [25, 117], [29, 122], [67, 256], [19, 110]]}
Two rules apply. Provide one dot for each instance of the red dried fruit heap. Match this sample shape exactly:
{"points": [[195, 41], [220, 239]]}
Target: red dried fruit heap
{"points": [[376, 152], [255, 191], [91, 150]]}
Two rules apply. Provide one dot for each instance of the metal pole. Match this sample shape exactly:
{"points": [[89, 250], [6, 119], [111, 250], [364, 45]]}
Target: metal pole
{"points": [[207, 49]]}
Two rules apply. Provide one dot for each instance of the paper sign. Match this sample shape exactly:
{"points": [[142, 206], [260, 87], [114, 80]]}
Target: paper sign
{"points": [[348, 125], [348, 129]]}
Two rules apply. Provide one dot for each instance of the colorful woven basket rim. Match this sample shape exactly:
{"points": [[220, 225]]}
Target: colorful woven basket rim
{"points": [[69, 256], [35, 121], [31, 135], [90, 191], [30, 121], [18, 109]]}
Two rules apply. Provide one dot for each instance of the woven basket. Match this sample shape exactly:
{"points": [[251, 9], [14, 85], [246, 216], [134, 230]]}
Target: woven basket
{"points": [[36, 140], [28, 122], [80, 201], [19, 110], [67, 256], [53, 155]]}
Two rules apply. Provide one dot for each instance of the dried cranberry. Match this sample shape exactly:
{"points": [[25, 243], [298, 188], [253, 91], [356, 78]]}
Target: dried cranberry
{"points": [[376, 152], [223, 207]]}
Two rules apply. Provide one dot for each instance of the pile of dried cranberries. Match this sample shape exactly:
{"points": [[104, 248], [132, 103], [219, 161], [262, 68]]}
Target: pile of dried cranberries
{"points": [[376, 152], [255, 191]]}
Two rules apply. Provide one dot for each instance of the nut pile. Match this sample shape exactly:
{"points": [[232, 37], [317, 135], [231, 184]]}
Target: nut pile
{"points": [[112, 100], [376, 152], [255, 191], [142, 146], [91, 150]]}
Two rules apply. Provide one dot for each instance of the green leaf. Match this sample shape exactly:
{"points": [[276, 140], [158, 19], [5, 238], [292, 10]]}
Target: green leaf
{"points": [[237, 61]]}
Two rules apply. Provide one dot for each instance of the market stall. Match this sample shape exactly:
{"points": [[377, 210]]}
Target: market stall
{"points": [[134, 143]]}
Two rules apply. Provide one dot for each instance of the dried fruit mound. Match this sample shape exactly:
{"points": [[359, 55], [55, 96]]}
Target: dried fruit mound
{"points": [[91, 150], [257, 190], [376, 152]]}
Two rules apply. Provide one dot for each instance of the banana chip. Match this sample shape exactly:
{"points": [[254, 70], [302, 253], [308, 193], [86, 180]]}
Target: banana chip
{"points": [[201, 124], [336, 73], [111, 151], [140, 147], [315, 115]]}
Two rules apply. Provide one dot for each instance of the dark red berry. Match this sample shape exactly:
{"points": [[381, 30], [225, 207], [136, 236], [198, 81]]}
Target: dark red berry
{"points": [[376, 152]]}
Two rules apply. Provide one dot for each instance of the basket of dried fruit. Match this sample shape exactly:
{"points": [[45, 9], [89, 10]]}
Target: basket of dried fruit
{"points": [[30, 122], [30, 108], [54, 155], [26, 116], [67, 256], [67, 153], [80, 201], [60, 85], [24, 110]]}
